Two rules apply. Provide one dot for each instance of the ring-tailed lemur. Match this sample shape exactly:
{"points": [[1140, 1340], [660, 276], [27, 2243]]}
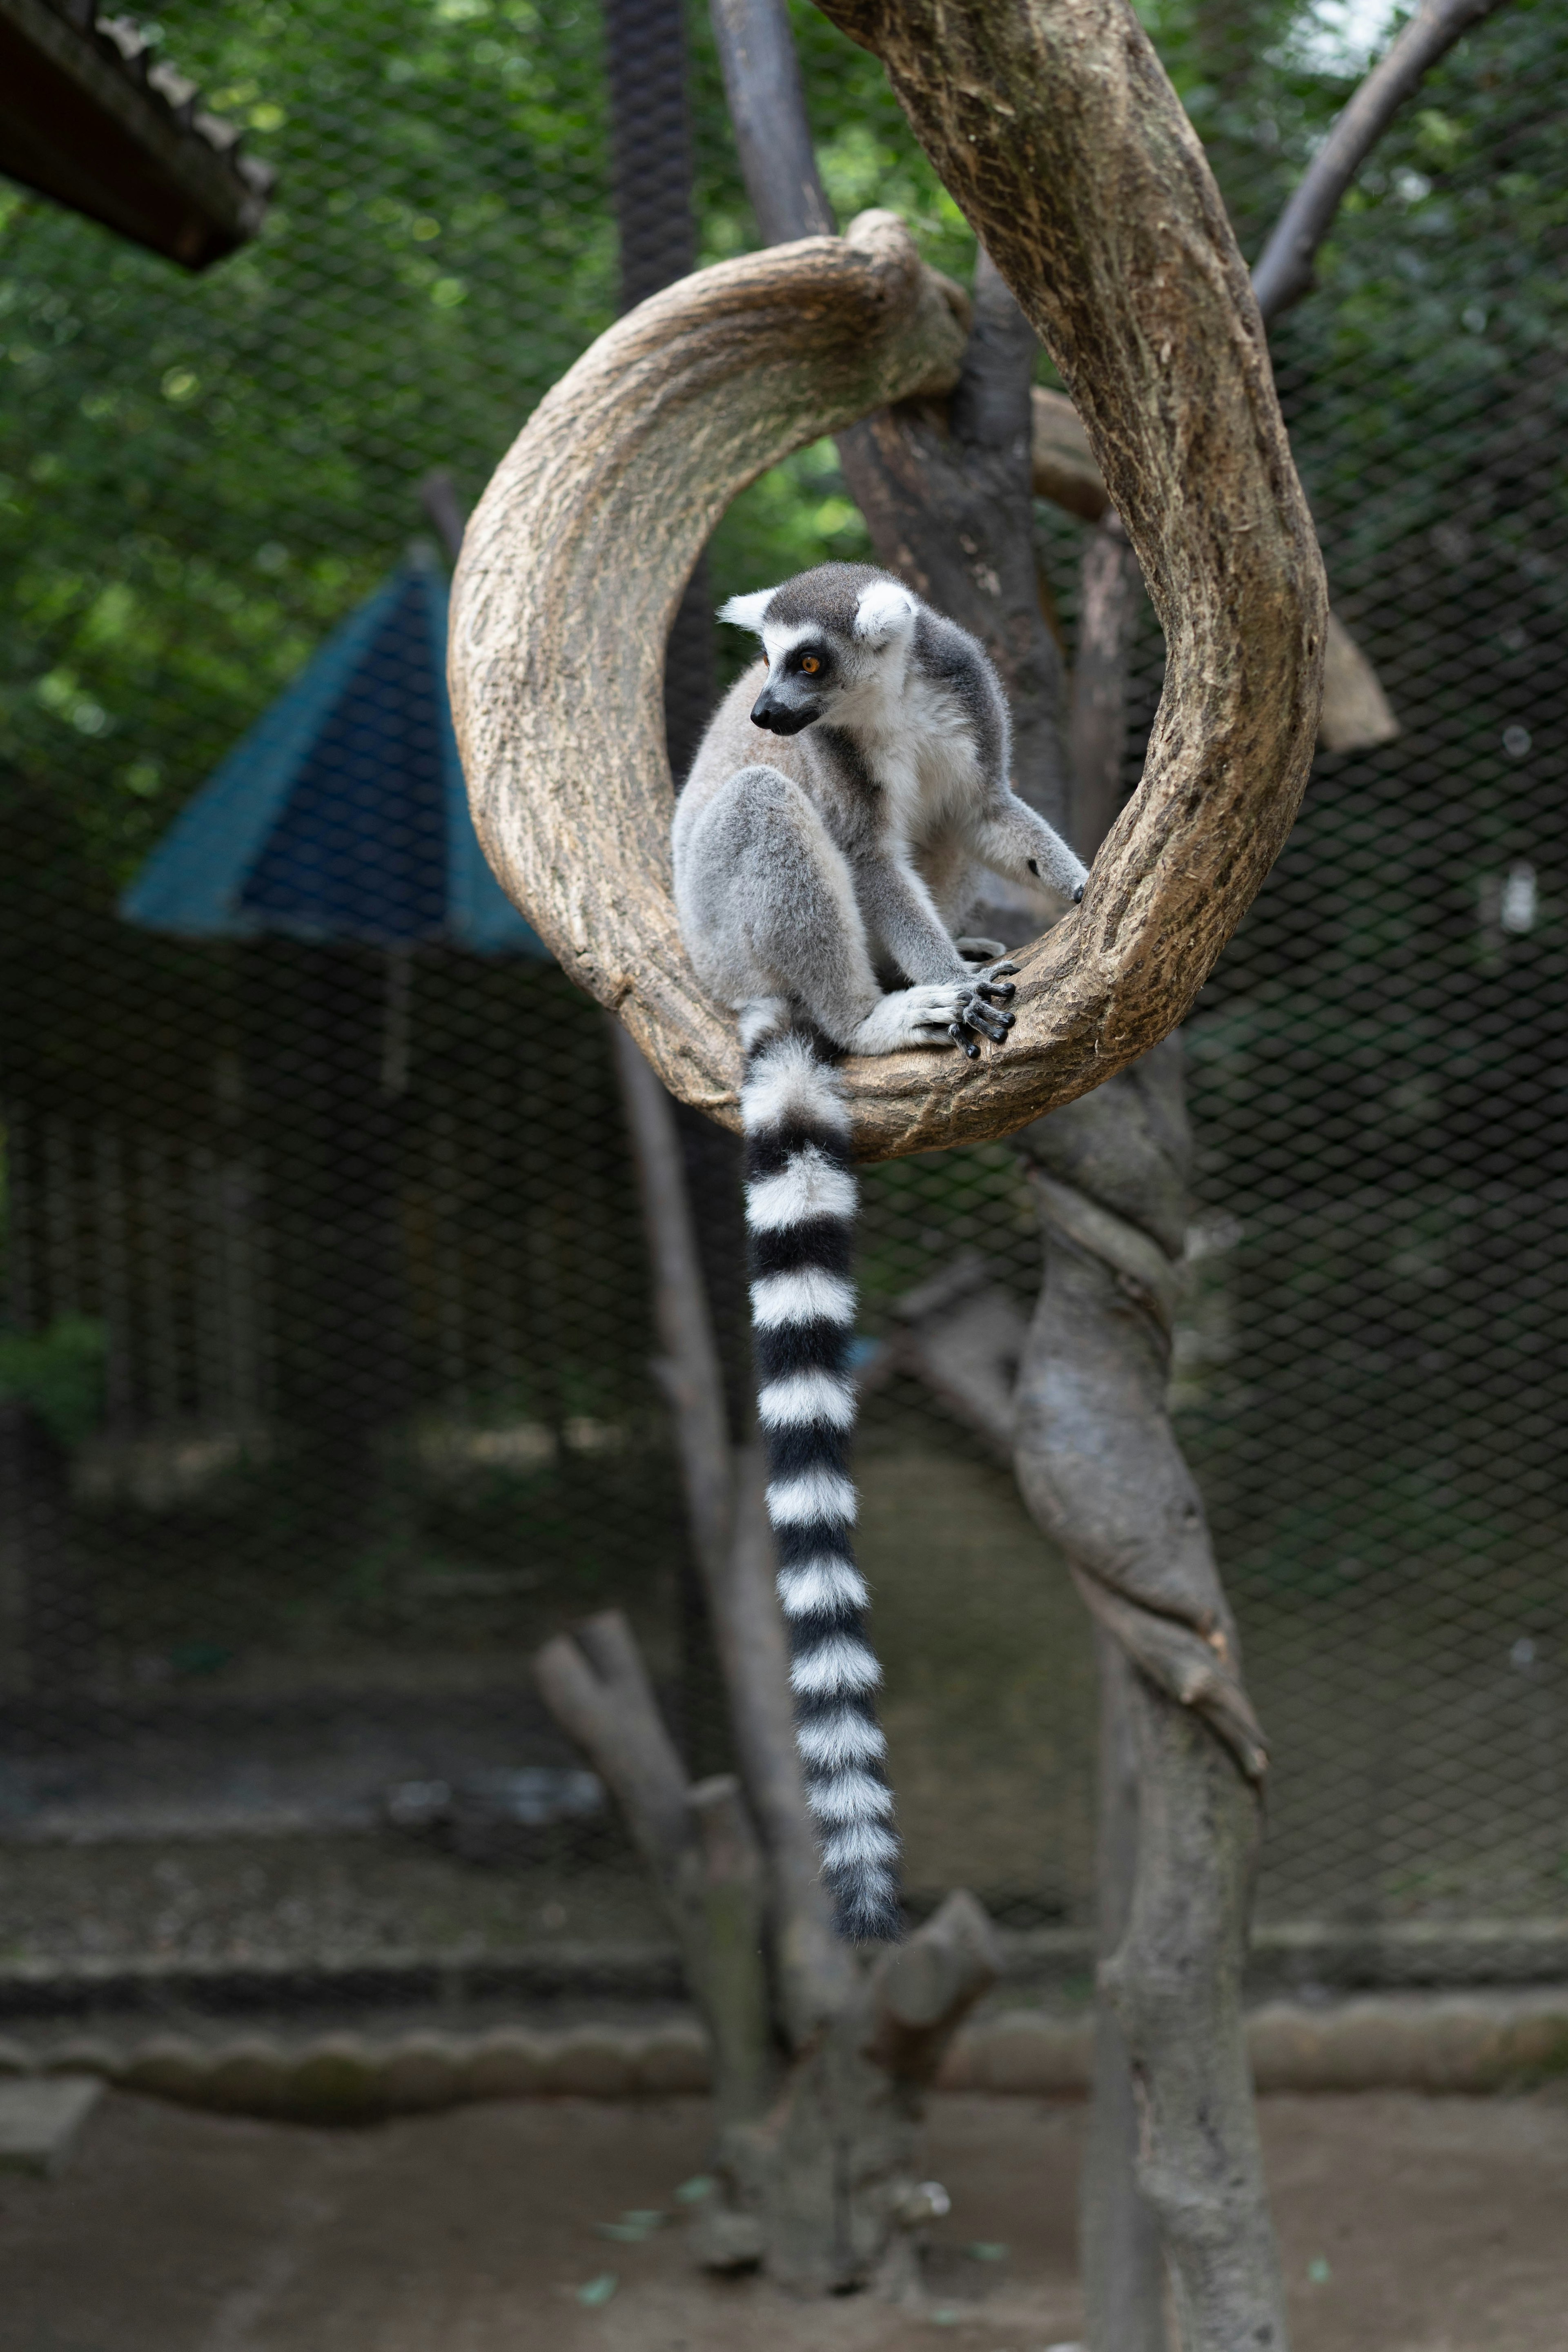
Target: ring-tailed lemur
{"points": [[818, 892]]}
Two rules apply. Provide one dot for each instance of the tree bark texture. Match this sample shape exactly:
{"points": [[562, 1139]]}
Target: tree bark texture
{"points": [[1061, 135], [1173, 2160], [945, 489], [1119, 2230], [1111, 596]]}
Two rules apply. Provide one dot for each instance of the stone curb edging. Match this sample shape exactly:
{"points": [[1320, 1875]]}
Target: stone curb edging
{"points": [[1471, 1957], [1472, 2043]]}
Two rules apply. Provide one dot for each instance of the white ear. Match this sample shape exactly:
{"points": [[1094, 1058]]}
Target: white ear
{"points": [[883, 610], [746, 612]]}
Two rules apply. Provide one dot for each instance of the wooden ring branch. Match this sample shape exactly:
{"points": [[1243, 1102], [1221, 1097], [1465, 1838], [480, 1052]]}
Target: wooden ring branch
{"points": [[576, 556]]}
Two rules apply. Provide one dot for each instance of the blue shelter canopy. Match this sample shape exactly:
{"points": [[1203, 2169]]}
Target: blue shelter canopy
{"points": [[343, 815]]}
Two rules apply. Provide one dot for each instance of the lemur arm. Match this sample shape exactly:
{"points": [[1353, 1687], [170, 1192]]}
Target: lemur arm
{"points": [[1006, 835], [902, 916]]}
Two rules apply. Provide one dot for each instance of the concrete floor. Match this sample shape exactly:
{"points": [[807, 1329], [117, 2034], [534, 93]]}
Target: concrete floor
{"points": [[1408, 2225]]}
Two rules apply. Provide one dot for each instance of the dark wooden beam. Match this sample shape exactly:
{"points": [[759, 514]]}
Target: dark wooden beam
{"points": [[89, 117]]}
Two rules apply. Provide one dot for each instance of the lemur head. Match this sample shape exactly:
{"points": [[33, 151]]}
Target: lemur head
{"points": [[835, 640]]}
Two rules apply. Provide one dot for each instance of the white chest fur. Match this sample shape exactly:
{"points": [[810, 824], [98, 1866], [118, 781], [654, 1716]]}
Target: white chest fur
{"points": [[919, 748]]}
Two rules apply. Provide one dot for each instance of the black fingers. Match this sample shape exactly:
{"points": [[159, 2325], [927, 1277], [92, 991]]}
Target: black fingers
{"points": [[994, 991], [962, 1038], [992, 1024]]}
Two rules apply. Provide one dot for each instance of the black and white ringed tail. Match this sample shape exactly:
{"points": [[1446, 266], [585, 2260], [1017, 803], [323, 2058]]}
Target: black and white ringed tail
{"points": [[801, 1200]]}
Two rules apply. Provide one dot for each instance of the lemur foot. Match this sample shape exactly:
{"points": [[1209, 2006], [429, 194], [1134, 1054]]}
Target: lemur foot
{"points": [[989, 992], [993, 987], [924, 1015], [978, 1014]]}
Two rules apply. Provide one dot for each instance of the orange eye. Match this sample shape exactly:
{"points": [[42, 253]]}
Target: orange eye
{"points": [[810, 665]]}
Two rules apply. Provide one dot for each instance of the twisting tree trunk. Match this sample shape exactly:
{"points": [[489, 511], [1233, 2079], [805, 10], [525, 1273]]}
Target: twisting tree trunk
{"points": [[1034, 111], [1174, 2163], [1112, 1157], [821, 2058], [946, 490], [1174, 2136]]}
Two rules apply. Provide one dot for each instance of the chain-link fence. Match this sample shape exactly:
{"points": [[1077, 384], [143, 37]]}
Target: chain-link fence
{"points": [[328, 1331]]}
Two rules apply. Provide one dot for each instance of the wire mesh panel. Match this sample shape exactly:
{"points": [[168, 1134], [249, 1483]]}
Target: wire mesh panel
{"points": [[327, 1327]]}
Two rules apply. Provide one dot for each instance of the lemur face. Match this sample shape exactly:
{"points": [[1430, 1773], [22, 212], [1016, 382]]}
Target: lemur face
{"points": [[835, 641], [804, 679]]}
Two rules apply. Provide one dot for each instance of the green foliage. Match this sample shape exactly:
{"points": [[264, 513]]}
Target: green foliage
{"points": [[199, 476], [59, 1374], [202, 475]]}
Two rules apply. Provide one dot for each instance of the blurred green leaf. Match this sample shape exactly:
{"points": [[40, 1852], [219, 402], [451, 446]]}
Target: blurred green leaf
{"points": [[59, 1374]]}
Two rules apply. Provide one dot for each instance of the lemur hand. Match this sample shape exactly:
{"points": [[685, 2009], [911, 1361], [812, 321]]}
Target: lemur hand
{"points": [[992, 988], [923, 1015]]}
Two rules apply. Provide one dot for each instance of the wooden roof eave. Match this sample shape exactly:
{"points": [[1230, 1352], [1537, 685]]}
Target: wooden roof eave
{"points": [[91, 119]]}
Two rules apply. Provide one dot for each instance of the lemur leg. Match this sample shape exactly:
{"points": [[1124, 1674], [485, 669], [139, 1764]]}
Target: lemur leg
{"points": [[902, 915], [779, 912], [1013, 841]]}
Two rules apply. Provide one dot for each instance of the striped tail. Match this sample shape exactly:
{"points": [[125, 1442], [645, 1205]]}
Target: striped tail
{"points": [[800, 1214]]}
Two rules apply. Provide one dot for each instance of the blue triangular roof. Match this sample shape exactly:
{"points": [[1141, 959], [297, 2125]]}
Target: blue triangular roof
{"points": [[343, 815]]}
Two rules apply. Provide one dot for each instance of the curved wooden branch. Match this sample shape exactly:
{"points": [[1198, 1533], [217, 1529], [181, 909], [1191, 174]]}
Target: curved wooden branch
{"points": [[573, 566], [1284, 271], [1056, 128]]}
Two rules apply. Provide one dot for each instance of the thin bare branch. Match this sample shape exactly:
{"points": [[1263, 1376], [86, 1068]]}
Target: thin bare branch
{"points": [[767, 109], [438, 496], [929, 1985], [731, 1898], [597, 1687], [688, 1372], [1284, 270]]}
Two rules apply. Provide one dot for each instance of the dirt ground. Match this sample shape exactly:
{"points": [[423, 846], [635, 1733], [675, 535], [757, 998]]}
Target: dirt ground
{"points": [[1408, 2225]]}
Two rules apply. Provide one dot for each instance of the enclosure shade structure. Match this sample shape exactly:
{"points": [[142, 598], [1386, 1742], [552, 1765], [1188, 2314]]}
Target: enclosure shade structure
{"points": [[338, 834]]}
